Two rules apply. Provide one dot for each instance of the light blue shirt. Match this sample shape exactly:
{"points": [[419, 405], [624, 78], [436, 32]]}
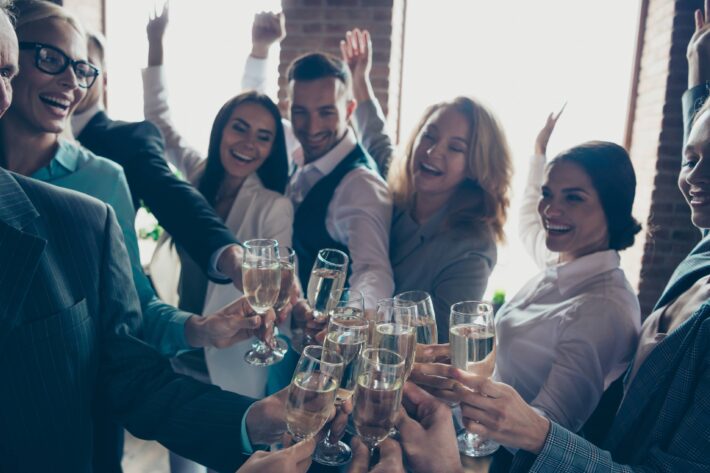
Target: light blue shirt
{"points": [[76, 168]]}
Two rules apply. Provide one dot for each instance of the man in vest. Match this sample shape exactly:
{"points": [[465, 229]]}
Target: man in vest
{"points": [[341, 200]]}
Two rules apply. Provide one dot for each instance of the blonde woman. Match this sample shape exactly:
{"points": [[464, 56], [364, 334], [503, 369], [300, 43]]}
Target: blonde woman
{"points": [[450, 189]]}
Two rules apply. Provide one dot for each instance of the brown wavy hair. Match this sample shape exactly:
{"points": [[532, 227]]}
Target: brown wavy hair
{"points": [[483, 197]]}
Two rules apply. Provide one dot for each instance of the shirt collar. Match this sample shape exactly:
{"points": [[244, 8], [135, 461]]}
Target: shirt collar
{"points": [[326, 163], [573, 273], [65, 161], [80, 120]]}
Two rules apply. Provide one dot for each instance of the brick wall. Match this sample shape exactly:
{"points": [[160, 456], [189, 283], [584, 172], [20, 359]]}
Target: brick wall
{"points": [[319, 25], [656, 139]]}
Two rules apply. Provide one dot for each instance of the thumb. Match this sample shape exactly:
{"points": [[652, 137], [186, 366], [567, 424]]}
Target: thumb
{"points": [[302, 450]]}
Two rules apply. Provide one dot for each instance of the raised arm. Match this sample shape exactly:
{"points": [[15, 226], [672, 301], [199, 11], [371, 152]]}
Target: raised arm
{"points": [[368, 119], [698, 54], [266, 30], [530, 229], [155, 99]]}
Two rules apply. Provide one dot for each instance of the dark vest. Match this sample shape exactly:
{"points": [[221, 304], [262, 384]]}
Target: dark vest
{"points": [[309, 231]]}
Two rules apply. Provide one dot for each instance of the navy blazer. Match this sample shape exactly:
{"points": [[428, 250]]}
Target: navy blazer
{"points": [[178, 206], [69, 347]]}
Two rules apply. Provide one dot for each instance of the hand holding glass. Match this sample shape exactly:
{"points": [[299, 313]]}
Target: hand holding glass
{"points": [[473, 349]]}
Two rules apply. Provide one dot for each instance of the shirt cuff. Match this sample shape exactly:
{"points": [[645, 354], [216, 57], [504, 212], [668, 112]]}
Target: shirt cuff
{"points": [[247, 448], [212, 272]]}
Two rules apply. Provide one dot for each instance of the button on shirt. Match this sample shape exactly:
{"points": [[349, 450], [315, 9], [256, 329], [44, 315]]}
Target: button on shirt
{"points": [[359, 217]]}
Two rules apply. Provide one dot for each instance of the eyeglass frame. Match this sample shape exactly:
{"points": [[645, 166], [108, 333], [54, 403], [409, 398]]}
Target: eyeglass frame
{"points": [[67, 62]]}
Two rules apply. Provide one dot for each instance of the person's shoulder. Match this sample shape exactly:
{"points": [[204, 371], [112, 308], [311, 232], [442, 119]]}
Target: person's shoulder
{"points": [[87, 159], [59, 202]]}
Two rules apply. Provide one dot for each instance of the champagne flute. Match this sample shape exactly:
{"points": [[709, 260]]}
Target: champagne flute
{"points": [[473, 349], [261, 278], [378, 395], [287, 261], [326, 282], [424, 317], [311, 394], [394, 330], [347, 335]]}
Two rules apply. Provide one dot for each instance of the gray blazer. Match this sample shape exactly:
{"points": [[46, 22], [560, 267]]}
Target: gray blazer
{"points": [[451, 265], [69, 347]]}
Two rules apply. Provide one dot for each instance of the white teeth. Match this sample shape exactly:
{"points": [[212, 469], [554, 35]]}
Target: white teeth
{"points": [[429, 168], [57, 101], [558, 228], [241, 157]]}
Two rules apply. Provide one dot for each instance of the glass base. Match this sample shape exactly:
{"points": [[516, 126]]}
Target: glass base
{"points": [[262, 355], [332, 454], [472, 445]]}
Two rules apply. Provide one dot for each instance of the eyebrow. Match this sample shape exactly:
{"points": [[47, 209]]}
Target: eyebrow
{"points": [[568, 189], [248, 125]]}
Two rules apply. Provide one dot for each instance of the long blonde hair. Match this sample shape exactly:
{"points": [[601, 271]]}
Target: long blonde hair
{"points": [[484, 195]]}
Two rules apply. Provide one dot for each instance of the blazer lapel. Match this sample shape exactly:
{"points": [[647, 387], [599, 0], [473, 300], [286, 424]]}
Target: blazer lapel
{"points": [[692, 268], [20, 252], [656, 372]]}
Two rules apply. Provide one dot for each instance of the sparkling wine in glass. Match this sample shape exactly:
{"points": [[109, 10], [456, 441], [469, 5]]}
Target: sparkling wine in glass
{"points": [[394, 330], [346, 335], [261, 278], [378, 395], [326, 282], [287, 260], [473, 349], [311, 394], [424, 316]]}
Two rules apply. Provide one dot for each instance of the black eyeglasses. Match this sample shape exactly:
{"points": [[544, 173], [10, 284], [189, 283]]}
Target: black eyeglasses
{"points": [[53, 61]]}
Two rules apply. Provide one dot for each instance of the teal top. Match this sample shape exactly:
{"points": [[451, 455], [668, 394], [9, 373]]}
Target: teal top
{"points": [[76, 168]]}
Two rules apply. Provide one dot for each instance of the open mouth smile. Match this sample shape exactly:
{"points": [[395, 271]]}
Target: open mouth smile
{"points": [[241, 158]]}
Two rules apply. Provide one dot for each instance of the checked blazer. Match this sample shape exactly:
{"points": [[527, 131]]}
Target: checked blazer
{"points": [[69, 346]]}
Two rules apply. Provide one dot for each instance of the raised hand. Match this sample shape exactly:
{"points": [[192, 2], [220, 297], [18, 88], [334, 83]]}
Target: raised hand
{"points": [[158, 23], [356, 50], [429, 429], [390, 458], [267, 29], [294, 459], [699, 48], [229, 325], [543, 137]]}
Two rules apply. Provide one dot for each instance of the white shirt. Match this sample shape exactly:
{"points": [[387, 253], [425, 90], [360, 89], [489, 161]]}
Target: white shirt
{"points": [[570, 331], [359, 216], [360, 213]]}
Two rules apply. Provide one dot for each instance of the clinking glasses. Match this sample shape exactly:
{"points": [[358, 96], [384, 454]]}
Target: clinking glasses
{"points": [[54, 61]]}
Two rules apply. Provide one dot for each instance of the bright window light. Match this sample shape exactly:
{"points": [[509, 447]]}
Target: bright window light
{"points": [[524, 60]]}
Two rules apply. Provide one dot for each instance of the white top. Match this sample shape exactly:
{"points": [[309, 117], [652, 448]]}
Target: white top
{"points": [[360, 213], [257, 212], [571, 330]]}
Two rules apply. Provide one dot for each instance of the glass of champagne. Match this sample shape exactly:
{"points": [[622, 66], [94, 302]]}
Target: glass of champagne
{"points": [[287, 260], [378, 395], [347, 335], [261, 278], [311, 394], [326, 282], [424, 317], [394, 330], [473, 349]]}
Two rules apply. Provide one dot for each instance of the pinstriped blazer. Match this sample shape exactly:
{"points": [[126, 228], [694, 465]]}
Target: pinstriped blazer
{"points": [[663, 423], [69, 321]]}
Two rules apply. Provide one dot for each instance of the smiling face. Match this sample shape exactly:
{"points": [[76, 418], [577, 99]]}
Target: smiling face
{"points": [[43, 102], [694, 177], [320, 111], [571, 212], [440, 152], [247, 139]]}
